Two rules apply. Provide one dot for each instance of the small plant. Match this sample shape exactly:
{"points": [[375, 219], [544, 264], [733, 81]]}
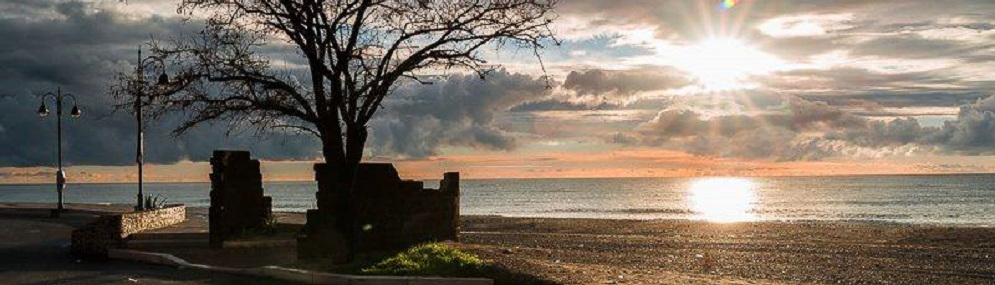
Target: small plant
{"points": [[270, 226], [154, 202], [431, 259]]}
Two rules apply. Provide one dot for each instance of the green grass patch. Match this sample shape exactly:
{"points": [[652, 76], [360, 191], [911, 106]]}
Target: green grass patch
{"points": [[431, 259]]}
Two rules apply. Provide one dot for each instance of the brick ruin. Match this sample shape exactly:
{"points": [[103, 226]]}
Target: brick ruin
{"points": [[379, 212], [237, 201], [375, 212]]}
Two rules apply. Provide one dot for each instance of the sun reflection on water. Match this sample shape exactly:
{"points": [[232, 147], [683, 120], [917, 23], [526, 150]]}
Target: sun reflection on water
{"points": [[723, 200]]}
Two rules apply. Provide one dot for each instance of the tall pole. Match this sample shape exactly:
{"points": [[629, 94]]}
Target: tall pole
{"points": [[60, 176], [141, 135]]}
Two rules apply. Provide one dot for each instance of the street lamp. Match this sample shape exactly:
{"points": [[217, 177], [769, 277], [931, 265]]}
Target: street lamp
{"points": [[60, 176], [140, 148]]}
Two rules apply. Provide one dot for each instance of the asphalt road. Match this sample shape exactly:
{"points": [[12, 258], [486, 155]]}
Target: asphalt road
{"points": [[34, 249]]}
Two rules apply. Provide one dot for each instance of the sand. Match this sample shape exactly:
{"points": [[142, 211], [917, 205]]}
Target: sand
{"points": [[588, 251], [591, 251]]}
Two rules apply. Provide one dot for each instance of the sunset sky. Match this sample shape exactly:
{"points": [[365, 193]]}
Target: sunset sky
{"points": [[640, 88]]}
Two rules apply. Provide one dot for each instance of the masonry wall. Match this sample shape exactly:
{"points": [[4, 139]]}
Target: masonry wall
{"points": [[237, 201], [109, 231], [382, 213], [135, 222]]}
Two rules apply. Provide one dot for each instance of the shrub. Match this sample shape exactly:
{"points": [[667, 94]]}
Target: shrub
{"points": [[432, 259]]}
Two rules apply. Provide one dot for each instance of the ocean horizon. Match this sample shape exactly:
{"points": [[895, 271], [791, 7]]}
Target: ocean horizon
{"points": [[944, 199]]}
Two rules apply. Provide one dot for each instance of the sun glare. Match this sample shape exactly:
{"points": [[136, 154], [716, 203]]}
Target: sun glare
{"points": [[724, 64], [723, 200]]}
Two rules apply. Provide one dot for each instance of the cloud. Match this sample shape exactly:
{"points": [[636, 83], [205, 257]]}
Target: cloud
{"points": [[847, 81], [858, 46], [79, 47], [624, 83], [800, 129], [458, 110], [897, 100], [974, 130], [910, 46], [557, 105], [806, 25], [845, 61]]}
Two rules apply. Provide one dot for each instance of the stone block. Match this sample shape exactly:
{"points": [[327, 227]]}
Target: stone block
{"points": [[237, 201]]}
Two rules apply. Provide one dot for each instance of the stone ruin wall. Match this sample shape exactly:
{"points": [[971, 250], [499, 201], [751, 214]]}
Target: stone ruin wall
{"points": [[390, 213], [380, 213], [237, 201]]}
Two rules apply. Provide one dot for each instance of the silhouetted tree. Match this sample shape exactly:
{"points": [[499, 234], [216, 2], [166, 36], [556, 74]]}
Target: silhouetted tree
{"points": [[354, 53]]}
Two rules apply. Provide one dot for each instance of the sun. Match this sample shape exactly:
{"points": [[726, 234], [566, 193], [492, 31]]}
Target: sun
{"points": [[721, 64], [723, 200]]}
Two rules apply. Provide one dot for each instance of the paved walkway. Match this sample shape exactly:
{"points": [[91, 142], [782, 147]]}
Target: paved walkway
{"points": [[34, 249]]}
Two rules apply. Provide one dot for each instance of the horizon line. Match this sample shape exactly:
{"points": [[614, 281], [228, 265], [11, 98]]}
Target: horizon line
{"points": [[537, 178]]}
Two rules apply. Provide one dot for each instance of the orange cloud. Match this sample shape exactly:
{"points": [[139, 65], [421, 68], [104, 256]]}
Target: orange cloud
{"points": [[619, 163]]}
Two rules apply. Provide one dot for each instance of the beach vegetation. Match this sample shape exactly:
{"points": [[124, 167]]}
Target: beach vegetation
{"points": [[431, 259], [154, 202]]}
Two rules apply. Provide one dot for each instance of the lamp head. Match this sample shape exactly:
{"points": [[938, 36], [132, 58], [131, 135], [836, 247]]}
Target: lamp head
{"points": [[163, 79], [75, 113], [42, 110]]}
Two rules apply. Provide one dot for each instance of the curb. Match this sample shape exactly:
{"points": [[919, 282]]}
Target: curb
{"points": [[291, 274], [259, 243]]}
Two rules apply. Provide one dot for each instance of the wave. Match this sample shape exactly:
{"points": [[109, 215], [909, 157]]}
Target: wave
{"points": [[623, 211]]}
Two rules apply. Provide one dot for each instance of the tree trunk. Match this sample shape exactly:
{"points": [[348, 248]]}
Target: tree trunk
{"points": [[331, 142], [355, 143]]}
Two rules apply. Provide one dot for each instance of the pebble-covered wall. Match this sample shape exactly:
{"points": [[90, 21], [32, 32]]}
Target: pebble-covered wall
{"points": [[109, 231]]}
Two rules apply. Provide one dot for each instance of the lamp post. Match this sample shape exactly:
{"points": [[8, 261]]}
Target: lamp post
{"points": [[60, 176], [140, 147]]}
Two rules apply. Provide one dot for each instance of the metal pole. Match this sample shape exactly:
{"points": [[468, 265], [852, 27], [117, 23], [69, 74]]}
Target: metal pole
{"points": [[60, 177], [141, 136]]}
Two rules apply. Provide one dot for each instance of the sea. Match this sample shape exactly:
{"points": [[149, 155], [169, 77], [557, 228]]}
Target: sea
{"points": [[955, 200]]}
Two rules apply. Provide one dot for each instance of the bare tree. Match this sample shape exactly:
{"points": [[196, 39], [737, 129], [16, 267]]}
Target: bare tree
{"points": [[354, 53]]}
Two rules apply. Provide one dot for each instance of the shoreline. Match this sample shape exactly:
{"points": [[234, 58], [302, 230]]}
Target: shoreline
{"points": [[869, 222]]}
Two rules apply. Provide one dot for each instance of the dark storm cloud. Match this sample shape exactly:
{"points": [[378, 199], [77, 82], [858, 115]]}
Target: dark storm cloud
{"points": [[458, 110], [600, 89], [80, 46], [557, 105], [624, 83]]}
